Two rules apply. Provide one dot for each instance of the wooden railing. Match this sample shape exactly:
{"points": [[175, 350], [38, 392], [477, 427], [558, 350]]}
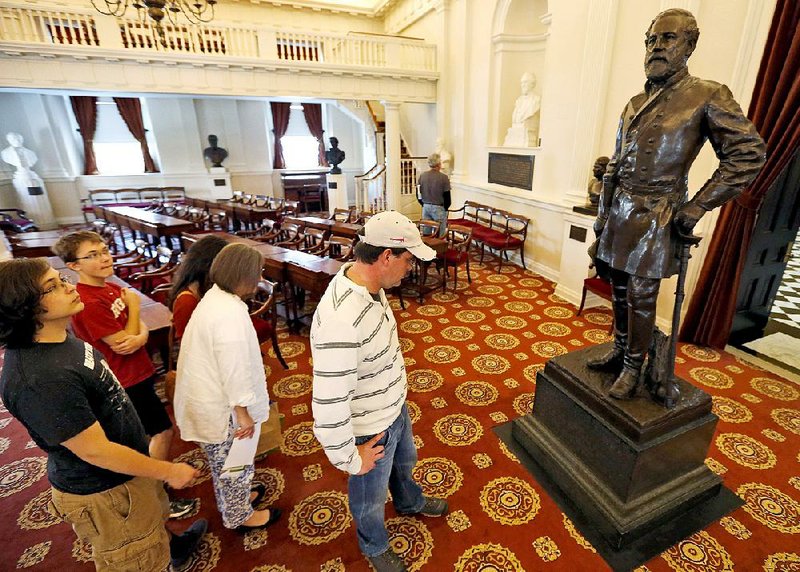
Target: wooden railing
{"points": [[410, 167], [86, 28], [371, 189]]}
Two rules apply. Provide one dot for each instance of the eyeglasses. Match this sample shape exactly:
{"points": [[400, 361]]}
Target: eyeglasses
{"points": [[63, 282], [95, 254]]}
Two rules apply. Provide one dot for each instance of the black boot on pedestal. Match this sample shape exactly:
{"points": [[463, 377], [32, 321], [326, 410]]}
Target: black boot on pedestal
{"points": [[625, 385]]}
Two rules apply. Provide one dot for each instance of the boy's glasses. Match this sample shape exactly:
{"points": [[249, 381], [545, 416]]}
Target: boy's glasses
{"points": [[95, 254], [63, 282]]}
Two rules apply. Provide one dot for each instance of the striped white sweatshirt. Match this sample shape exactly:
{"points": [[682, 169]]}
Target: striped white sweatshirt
{"points": [[359, 374]]}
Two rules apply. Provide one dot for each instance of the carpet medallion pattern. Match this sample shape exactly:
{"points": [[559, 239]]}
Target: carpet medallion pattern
{"points": [[472, 357]]}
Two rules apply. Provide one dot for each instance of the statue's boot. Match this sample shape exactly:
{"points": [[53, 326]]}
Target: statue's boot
{"points": [[641, 321], [612, 359]]}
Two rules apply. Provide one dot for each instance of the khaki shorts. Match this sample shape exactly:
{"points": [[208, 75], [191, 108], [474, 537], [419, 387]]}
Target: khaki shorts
{"points": [[125, 525]]}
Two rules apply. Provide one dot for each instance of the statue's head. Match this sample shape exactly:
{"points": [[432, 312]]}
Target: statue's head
{"points": [[434, 160], [334, 142], [527, 82], [600, 165], [669, 41], [212, 140], [14, 139]]}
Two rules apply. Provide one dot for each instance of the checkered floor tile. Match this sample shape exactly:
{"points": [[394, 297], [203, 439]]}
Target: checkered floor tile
{"points": [[786, 308]]}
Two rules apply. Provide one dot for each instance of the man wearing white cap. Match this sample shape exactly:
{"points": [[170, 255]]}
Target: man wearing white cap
{"points": [[359, 394]]}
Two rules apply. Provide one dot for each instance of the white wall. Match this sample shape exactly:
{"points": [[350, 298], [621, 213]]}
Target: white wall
{"points": [[418, 128]]}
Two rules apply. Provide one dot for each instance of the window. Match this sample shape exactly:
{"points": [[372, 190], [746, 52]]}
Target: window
{"points": [[300, 148], [115, 149]]}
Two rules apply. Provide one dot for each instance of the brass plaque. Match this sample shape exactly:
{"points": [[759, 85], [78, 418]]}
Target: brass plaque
{"points": [[511, 170]]}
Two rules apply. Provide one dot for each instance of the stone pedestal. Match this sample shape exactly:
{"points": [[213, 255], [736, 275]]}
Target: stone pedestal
{"points": [[220, 183], [34, 201], [627, 466], [337, 192]]}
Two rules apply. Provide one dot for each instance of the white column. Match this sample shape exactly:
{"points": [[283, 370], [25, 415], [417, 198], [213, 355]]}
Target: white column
{"points": [[392, 117], [442, 56], [598, 47]]}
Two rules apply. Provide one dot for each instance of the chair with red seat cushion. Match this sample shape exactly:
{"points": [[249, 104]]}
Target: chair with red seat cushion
{"points": [[458, 241], [507, 233], [467, 215], [599, 286]]}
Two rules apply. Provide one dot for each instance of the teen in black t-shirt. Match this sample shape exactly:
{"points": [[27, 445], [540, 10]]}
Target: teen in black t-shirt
{"points": [[74, 408]]}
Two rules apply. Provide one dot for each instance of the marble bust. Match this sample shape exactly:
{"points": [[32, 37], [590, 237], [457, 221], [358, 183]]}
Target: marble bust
{"points": [[334, 156], [216, 155], [445, 157], [524, 130], [23, 159]]}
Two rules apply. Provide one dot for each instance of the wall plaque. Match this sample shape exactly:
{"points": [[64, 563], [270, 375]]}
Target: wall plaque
{"points": [[511, 170], [219, 182]]}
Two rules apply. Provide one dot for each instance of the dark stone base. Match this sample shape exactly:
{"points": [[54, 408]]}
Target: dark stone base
{"points": [[646, 547], [628, 466]]}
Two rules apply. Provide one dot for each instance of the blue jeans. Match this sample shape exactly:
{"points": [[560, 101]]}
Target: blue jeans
{"points": [[367, 493], [437, 213]]}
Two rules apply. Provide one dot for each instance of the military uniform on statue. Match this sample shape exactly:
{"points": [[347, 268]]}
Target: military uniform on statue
{"points": [[634, 468]]}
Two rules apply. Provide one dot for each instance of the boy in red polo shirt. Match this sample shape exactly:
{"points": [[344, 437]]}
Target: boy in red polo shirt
{"points": [[110, 322]]}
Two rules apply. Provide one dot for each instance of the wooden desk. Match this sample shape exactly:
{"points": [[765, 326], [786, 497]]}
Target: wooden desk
{"points": [[33, 248], [147, 222], [345, 229], [36, 235], [306, 188], [240, 213]]}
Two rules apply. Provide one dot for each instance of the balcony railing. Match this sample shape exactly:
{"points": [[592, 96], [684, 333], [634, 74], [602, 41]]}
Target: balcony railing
{"points": [[85, 29]]}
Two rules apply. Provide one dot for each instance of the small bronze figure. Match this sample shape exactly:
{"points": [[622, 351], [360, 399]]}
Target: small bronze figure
{"points": [[334, 156], [595, 186], [213, 153], [644, 206]]}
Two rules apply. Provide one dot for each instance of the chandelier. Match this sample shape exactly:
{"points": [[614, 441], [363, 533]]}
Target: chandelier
{"points": [[195, 11]]}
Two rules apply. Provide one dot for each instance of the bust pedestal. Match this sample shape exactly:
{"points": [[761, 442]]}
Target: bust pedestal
{"points": [[521, 135], [219, 183], [33, 200], [578, 236], [337, 192]]}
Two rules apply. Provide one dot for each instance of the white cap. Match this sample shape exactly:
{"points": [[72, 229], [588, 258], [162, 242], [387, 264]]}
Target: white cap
{"points": [[390, 229]]}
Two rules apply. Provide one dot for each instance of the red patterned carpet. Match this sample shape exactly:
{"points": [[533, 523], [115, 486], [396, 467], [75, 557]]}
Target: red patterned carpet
{"points": [[472, 358]]}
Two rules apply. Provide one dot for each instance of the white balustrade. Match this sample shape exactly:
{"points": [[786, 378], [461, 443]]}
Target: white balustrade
{"points": [[77, 27]]}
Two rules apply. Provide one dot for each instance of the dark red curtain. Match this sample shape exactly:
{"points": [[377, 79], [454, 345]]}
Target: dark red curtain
{"points": [[85, 109], [775, 111], [313, 114], [131, 111], [280, 122]]}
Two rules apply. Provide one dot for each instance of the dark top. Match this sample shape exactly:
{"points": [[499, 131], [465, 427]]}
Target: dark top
{"points": [[59, 390], [433, 186]]}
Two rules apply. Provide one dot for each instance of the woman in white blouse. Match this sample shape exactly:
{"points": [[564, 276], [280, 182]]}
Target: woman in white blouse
{"points": [[221, 389]]}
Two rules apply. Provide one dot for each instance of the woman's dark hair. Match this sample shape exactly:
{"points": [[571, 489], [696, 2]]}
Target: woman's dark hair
{"points": [[196, 266], [21, 300]]}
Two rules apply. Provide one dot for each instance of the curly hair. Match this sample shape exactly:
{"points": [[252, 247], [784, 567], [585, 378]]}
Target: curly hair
{"points": [[21, 301], [196, 266]]}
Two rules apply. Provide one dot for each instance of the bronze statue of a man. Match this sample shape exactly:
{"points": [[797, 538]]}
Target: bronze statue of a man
{"points": [[644, 205]]}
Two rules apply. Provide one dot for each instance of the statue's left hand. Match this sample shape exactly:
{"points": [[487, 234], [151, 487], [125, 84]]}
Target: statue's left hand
{"points": [[687, 216]]}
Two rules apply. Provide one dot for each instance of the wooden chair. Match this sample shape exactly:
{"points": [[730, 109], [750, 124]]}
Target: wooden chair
{"points": [[467, 215], [291, 236], [313, 241], [458, 242], [265, 316], [269, 231], [275, 203], [138, 260], [506, 235], [343, 215], [364, 216], [339, 248], [428, 227], [596, 285], [147, 280]]}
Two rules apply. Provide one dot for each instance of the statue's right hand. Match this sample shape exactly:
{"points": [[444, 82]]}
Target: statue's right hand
{"points": [[599, 225]]}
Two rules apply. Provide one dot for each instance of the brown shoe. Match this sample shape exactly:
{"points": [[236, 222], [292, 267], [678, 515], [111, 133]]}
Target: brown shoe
{"points": [[610, 360]]}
